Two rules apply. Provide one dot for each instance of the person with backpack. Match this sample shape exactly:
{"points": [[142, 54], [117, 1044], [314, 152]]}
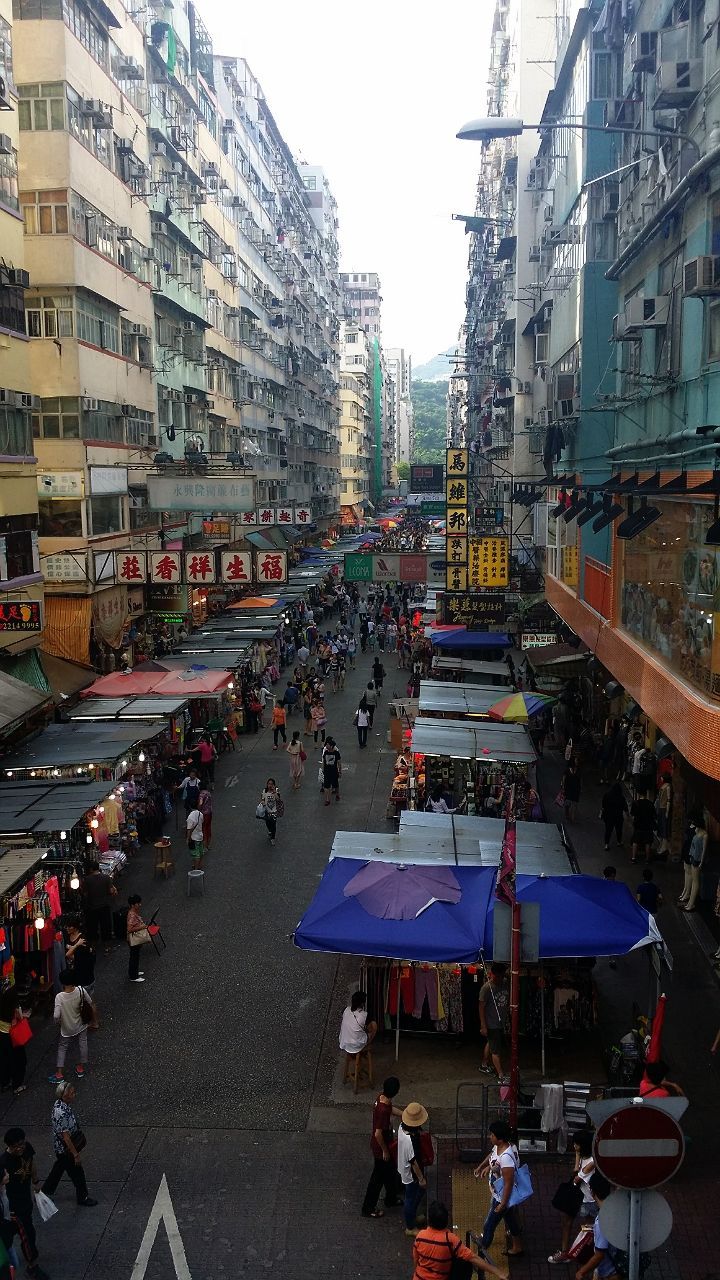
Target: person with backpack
{"points": [[70, 1016], [378, 675], [437, 1250], [194, 826]]}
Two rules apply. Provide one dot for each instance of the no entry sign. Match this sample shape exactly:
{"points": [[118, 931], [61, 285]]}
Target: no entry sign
{"points": [[639, 1147]]}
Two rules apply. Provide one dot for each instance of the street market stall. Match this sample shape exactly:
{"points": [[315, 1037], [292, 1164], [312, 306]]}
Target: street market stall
{"points": [[88, 751], [474, 764], [469, 671], [442, 700]]}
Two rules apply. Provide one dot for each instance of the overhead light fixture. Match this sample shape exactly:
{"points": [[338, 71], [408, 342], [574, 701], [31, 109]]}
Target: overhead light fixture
{"points": [[141, 757], [88, 838], [74, 879], [636, 522], [610, 511], [39, 923], [63, 835]]}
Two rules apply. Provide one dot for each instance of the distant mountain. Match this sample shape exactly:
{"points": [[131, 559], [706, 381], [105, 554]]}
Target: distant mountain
{"points": [[436, 370], [429, 407]]}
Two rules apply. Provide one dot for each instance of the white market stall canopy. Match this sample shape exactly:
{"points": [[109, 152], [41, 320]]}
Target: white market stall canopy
{"points": [[469, 666], [487, 742], [128, 709], [541, 849], [457, 699]]}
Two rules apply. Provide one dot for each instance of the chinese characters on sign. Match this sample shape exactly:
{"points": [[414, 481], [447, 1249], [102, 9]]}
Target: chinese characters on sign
{"points": [[474, 610], [181, 493], [456, 577], [164, 566], [20, 615], [456, 519], [236, 566], [199, 567], [570, 566], [131, 566], [488, 562], [65, 568], [271, 566], [456, 463]]}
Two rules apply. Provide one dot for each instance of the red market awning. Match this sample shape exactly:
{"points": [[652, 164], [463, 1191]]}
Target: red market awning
{"points": [[190, 683]]}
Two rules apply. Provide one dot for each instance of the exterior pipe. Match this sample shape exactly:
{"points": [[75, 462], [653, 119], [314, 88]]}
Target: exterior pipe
{"points": [[676, 437], [658, 218], [678, 459]]}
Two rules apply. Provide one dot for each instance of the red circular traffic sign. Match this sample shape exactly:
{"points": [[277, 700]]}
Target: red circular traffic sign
{"points": [[639, 1147]]}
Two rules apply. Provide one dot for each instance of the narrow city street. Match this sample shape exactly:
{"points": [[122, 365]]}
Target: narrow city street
{"points": [[213, 1093]]}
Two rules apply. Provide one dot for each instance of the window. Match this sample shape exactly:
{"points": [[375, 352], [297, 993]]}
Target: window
{"points": [[15, 438], [6, 68], [667, 340], [49, 316], [135, 346], [714, 332], [9, 180], [59, 518], [310, 183], [45, 213], [78, 18], [42, 106], [20, 547], [141, 516], [105, 514], [97, 324], [12, 305], [58, 419]]}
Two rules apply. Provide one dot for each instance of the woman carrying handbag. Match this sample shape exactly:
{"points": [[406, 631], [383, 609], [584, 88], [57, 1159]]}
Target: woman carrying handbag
{"points": [[137, 936], [574, 1196], [14, 1035], [507, 1188]]}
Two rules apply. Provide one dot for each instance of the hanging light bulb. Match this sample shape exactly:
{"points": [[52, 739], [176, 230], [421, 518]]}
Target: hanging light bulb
{"points": [[56, 773], [231, 684], [124, 764], [32, 773], [74, 879], [9, 773], [91, 766], [43, 855], [101, 808], [63, 835], [81, 769], [94, 824], [39, 922], [88, 839], [141, 757]]}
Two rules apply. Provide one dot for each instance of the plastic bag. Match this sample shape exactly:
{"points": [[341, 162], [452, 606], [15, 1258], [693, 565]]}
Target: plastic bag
{"points": [[45, 1206], [260, 811]]}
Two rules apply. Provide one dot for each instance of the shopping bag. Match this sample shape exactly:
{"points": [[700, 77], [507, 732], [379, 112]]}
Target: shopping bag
{"points": [[20, 1033], [568, 1198], [139, 937], [260, 811], [582, 1247], [45, 1206], [560, 798], [522, 1186]]}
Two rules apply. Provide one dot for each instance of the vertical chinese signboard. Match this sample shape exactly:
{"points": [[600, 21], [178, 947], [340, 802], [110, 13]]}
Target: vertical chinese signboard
{"points": [[456, 519], [488, 562]]}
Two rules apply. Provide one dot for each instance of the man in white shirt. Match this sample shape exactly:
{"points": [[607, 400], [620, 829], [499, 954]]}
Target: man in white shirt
{"points": [[356, 1033], [303, 655], [412, 1173]]}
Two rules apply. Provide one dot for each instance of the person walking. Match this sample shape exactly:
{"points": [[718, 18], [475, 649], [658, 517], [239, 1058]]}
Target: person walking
{"points": [[612, 811], [191, 788], [279, 720], [384, 1173], [411, 1166], [67, 1015], [80, 956], [642, 813], [205, 805], [378, 673], [362, 722], [194, 825], [574, 1197], [208, 756], [493, 1007], [297, 760], [693, 861], [318, 718], [137, 928], [68, 1144], [600, 1262], [13, 1058], [332, 769], [17, 1163], [501, 1165], [351, 651], [436, 1249], [571, 786], [98, 892], [273, 806], [371, 701]]}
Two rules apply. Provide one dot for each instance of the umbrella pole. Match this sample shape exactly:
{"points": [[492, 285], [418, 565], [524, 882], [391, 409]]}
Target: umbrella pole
{"points": [[397, 1019], [542, 1021], [515, 953]]}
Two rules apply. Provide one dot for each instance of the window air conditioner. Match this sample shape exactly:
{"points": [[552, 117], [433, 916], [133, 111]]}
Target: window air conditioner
{"points": [[647, 313], [124, 233], [701, 277]]}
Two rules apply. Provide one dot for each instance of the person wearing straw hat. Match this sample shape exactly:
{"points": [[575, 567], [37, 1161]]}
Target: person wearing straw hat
{"points": [[410, 1163]]}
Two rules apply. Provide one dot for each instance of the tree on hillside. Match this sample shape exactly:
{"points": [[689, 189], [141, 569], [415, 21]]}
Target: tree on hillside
{"points": [[403, 470], [429, 406]]}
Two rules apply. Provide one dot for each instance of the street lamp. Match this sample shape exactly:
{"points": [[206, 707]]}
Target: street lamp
{"points": [[487, 128]]}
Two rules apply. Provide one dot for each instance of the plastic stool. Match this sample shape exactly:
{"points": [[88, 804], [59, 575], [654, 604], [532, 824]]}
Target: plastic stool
{"points": [[163, 861], [196, 877]]}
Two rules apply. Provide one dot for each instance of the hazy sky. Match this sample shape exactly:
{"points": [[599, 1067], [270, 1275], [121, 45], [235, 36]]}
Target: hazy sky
{"points": [[375, 94]]}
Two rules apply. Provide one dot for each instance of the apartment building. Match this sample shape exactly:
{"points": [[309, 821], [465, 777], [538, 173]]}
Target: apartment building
{"points": [[21, 588], [362, 300], [183, 312], [400, 372], [357, 432]]}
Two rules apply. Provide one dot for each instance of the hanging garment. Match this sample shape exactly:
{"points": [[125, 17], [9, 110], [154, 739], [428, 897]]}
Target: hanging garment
{"points": [[451, 1017], [52, 890], [426, 988], [407, 989], [112, 816]]}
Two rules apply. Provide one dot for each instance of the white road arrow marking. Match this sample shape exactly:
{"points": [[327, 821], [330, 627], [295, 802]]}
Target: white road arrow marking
{"points": [[162, 1211]]}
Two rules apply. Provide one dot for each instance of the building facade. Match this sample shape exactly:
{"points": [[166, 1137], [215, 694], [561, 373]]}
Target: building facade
{"points": [[400, 371], [183, 313], [362, 300], [357, 432]]}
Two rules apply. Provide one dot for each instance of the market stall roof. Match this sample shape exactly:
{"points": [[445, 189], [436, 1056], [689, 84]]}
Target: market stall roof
{"points": [[579, 916], [17, 700], [128, 708], [65, 678], [16, 865], [540, 847], [60, 746], [188, 683], [555, 655], [256, 602], [486, 742], [466, 699], [466, 666], [208, 660], [461, 638], [30, 807]]}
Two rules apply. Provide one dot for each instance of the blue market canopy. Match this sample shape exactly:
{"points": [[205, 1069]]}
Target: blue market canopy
{"points": [[579, 916], [461, 638]]}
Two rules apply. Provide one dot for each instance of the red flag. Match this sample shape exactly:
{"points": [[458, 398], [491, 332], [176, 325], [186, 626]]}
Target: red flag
{"points": [[505, 887]]}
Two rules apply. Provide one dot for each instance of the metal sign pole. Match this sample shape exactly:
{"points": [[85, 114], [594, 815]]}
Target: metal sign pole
{"points": [[635, 1224]]}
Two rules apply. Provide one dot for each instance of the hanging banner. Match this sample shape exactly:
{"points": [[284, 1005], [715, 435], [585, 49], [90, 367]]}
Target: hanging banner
{"points": [[271, 566], [199, 567], [131, 566], [109, 613], [488, 562], [456, 493], [456, 520], [165, 566], [456, 550], [193, 493], [235, 566]]}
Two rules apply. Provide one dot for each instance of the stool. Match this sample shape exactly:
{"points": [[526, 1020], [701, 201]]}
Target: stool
{"points": [[359, 1069], [163, 862], [196, 877]]}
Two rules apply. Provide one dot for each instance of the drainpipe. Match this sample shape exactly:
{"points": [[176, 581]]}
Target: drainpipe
{"points": [[658, 218], [676, 437], [677, 458]]}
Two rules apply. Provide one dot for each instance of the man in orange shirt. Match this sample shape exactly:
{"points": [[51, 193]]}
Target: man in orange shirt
{"points": [[435, 1248]]}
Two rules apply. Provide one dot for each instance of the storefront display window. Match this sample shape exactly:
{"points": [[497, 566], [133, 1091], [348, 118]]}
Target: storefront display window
{"points": [[670, 593]]}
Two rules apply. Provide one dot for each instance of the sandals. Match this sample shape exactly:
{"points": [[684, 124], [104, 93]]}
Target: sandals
{"points": [[376, 1213]]}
